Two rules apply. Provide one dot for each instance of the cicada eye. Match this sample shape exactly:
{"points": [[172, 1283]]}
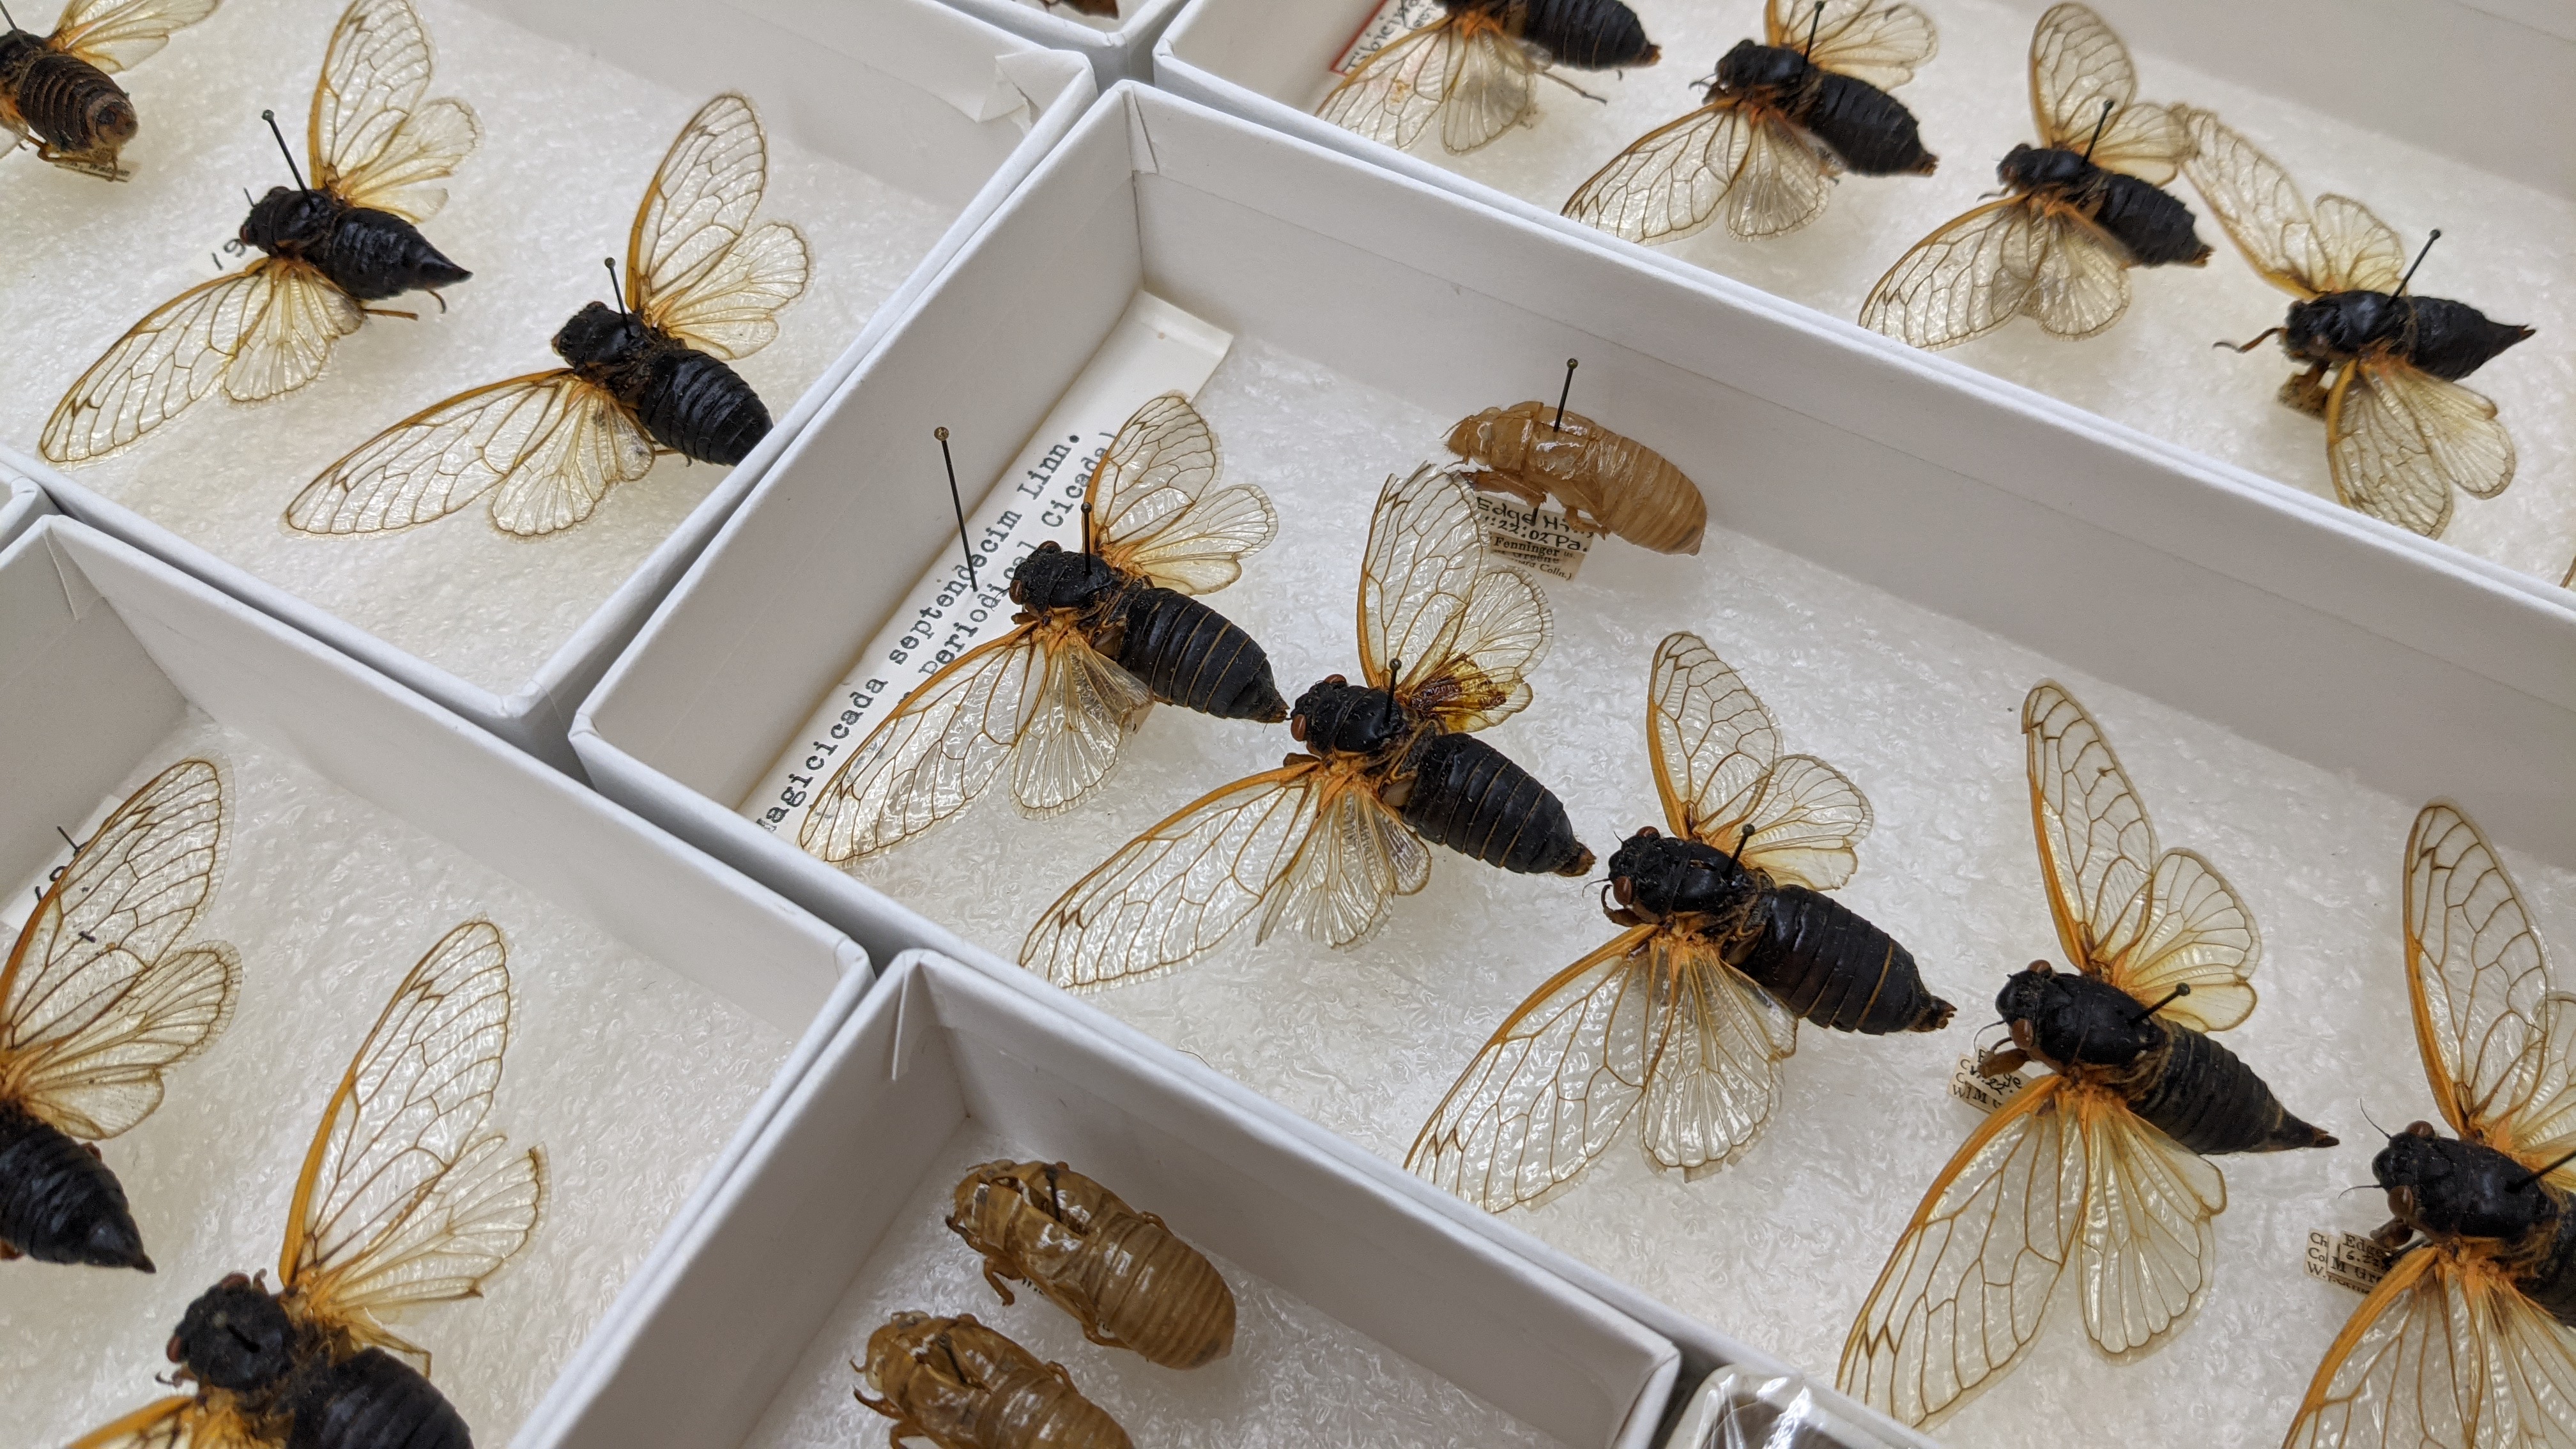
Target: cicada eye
{"points": [[1625, 889]]}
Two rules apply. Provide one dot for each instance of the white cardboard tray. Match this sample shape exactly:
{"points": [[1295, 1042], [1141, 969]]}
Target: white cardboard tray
{"points": [[1265, 63], [21, 504], [1124, 51], [702, 1341], [856, 80]]}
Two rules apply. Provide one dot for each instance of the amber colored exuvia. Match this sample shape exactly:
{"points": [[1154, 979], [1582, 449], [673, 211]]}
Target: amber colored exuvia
{"points": [[962, 1385], [1608, 483], [1124, 1275]]}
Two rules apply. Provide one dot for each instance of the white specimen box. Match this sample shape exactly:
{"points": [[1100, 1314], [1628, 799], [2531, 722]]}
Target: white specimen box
{"points": [[2357, 655], [921, 98], [1118, 49], [107, 649], [2425, 153], [21, 504], [699, 1348]]}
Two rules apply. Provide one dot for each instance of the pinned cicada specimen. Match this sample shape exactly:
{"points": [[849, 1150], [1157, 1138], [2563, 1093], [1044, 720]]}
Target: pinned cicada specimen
{"points": [[1689, 1012], [1782, 117], [649, 376], [2401, 432], [1123, 1275], [97, 1001], [56, 87], [2082, 207], [1608, 483], [2471, 1338], [962, 1385], [1321, 844], [404, 1199], [328, 249], [2103, 1163], [1476, 68], [1102, 634]]}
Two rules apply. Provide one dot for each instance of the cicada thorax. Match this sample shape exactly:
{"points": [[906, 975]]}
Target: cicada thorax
{"points": [[1817, 957], [2486, 1202], [1125, 1277], [1614, 484], [1184, 652], [66, 103], [369, 254], [963, 1384], [1584, 34], [2445, 338], [1869, 131], [2181, 1081], [314, 1388], [2152, 224], [58, 1201], [687, 401]]}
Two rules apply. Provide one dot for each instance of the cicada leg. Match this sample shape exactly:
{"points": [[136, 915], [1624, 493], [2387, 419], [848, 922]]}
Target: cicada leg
{"points": [[2306, 392]]}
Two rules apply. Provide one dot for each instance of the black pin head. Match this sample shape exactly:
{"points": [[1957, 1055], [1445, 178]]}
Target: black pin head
{"points": [[2181, 989], [283, 149], [959, 505], [616, 293], [1562, 394], [1814, 24]]}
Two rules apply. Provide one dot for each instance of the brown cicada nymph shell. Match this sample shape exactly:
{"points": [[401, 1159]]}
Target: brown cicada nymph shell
{"points": [[1127, 1278], [962, 1385], [1608, 483]]}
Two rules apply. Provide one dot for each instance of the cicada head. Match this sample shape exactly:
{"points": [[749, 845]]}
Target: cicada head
{"points": [[286, 219], [2033, 168], [1656, 875], [2339, 325], [235, 1336], [599, 333], [1336, 715], [2065, 1018], [2444, 1187], [1055, 577], [1752, 65]]}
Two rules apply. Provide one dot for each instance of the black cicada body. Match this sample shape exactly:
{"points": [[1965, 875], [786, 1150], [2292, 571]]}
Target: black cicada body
{"points": [[1475, 69], [2155, 226], [326, 1393], [686, 401], [367, 253], [1871, 132], [58, 1201], [1584, 34], [1184, 652], [2448, 339], [56, 88], [1453, 788]]}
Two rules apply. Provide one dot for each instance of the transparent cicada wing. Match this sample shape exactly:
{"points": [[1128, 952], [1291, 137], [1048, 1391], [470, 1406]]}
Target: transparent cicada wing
{"points": [[2335, 246], [1882, 42], [696, 267], [551, 443], [1995, 263], [374, 142], [1155, 508], [938, 750], [114, 35], [2399, 439], [2477, 976], [2438, 1355], [2077, 66], [1452, 632]]}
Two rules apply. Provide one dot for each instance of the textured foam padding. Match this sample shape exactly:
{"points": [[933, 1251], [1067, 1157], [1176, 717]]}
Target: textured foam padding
{"points": [[1295, 1378], [1924, 713], [630, 1078], [569, 143]]}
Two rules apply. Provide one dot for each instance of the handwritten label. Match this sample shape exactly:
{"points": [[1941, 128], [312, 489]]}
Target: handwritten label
{"points": [[1985, 1093], [1538, 539], [1156, 348], [2347, 1260], [1390, 20]]}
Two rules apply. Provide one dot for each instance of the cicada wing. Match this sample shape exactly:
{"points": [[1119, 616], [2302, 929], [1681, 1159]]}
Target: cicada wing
{"points": [[373, 142], [114, 35], [1392, 96], [1489, 86], [2337, 245], [2077, 65], [1359, 856], [95, 1003], [185, 347], [1710, 737], [1882, 42], [552, 443], [2097, 848], [2438, 1356], [2361, 252], [695, 267], [2148, 1234], [2399, 439], [1174, 892], [1717, 1041], [1784, 184], [1463, 630], [2542, 1127], [1086, 706], [2478, 979], [1802, 825], [1551, 1088], [179, 1422], [404, 1198], [1152, 512], [1991, 265], [2189, 929], [1670, 182], [931, 757], [1962, 1295]]}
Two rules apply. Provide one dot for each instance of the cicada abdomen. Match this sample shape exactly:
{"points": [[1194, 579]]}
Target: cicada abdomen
{"points": [[1123, 1275], [1827, 963], [1872, 132], [1184, 652], [58, 1201], [686, 400], [238, 1338], [1608, 483], [79, 117], [2203, 1096], [965, 1386], [373, 1400], [1472, 798], [1585, 34]]}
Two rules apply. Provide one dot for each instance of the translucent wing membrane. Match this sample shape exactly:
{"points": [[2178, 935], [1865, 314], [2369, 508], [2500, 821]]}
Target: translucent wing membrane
{"points": [[694, 266], [174, 1423], [1670, 182], [1464, 70], [1153, 513], [2077, 64], [1724, 782], [1868, 40], [1996, 262], [1464, 629], [372, 140], [1648, 1019], [2148, 1226], [2399, 438], [1963, 1293], [404, 1199], [2478, 979], [936, 752], [551, 443], [97, 1000], [2339, 246], [115, 34], [2440, 1355], [260, 332]]}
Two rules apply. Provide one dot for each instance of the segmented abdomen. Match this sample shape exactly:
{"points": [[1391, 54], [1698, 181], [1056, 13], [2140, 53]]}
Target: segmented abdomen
{"points": [[2553, 1284], [2150, 222], [1470, 797], [698, 407], [1588, 34], [372, 255], [58, 1203], [1153, 1292], [72, 105], [1190, 655], [2208, 1100], [1027, 1407], [372, 1400], [1825, 962], [2453, 339], [1872, 131]]}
